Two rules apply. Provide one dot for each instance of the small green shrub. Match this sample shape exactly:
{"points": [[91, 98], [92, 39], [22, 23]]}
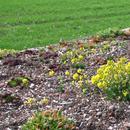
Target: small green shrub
{"points": [[49, 120], [22, 81], [114, 79]]}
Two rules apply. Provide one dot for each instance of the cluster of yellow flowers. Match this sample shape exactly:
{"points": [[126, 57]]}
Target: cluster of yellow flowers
{"points": [[44, 101], [25, 82], [33, 101], [51, 73], [30, 101], [77, 59], [73, 56], [79, 78], [114, 75]]}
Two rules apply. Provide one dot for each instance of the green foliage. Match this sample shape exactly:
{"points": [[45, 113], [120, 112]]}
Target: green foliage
{"points": [[79, 66], [114, 79], [110, 33], [74, 57], [22, 81], [61, 89], [5, 52], [9, 98], [49, 120]]}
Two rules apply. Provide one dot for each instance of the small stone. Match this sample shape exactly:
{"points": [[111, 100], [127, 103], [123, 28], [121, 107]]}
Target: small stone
{"points": [[87, 119], [99, 114], [111, 107], [110, 128], [31, 85], [1, 62], [112, 120], [2, 85], [127, 125]]}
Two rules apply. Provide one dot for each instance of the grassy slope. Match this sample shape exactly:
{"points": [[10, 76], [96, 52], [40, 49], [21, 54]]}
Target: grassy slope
{"points": [[31, 23]]}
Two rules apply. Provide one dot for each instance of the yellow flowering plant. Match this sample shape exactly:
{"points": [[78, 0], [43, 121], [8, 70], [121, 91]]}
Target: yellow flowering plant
{"points": [[67, 73], [51, 73], [73, 56], [30, 101], [44, 101], [80, 79], [114, 79]]}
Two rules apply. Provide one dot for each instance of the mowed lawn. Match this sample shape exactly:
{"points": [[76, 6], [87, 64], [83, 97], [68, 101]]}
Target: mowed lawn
{"points": [[34, 23]]}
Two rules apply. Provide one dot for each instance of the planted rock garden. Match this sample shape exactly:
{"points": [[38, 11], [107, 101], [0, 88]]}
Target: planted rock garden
{"points": [[77, 85]]}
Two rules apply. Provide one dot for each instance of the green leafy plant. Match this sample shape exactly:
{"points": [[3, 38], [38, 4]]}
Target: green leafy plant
{"points": [[22, 81], [79, 66], [114, 79], [49, 120], [61, 87], [5, 52], [9, 98], [110, 32]]}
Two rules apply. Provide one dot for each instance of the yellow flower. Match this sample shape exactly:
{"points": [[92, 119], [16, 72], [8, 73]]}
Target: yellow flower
{"points": [[80, 57], [29, 101], [51, 73], [123, 60], [110, 63], [80, 83], [116, 77], [93, 50], [73, 82], [99, 85], [102, 85], [44, 101], [75, 76], [69, 53], [67, 73], [125, 93], [85, 76], [81, 48], [25, 82], [79, 71], [95, 78], [127, 67], [80, 77], [74, 60]]}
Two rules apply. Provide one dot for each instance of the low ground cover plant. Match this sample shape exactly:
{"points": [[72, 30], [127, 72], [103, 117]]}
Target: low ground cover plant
{"points": [[22, 81], [5, 52], [110, 33], [49, 120]]}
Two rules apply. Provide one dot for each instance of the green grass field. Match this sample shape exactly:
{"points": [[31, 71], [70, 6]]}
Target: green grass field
{"points": [[33, 23]]}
